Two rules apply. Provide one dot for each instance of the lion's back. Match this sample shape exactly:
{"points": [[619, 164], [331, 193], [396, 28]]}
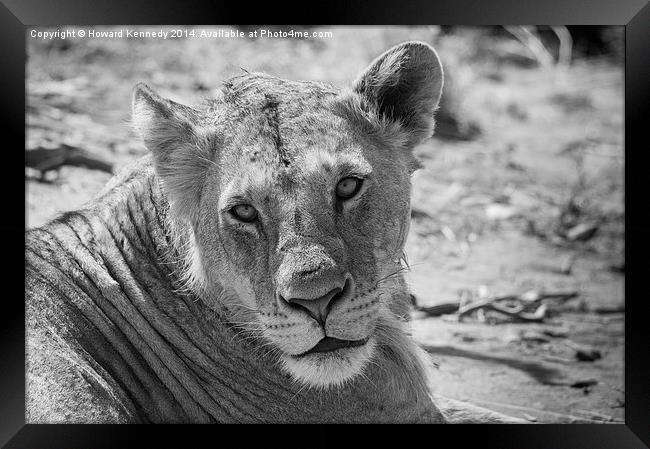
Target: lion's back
{"points": [[71, 341], [64, 382]]}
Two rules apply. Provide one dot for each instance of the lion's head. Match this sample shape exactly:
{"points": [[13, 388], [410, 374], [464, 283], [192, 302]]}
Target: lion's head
{"points": [[296, 197]]}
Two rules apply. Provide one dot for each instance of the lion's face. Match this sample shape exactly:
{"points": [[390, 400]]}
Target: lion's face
{"points": [[308, 236], [302, 204]]}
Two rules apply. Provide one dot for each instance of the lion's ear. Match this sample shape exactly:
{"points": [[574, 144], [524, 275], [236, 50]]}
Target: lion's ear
{"points": [[179, 146], [404, 85]]}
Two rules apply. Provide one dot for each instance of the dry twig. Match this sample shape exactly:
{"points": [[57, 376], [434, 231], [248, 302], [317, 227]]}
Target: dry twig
{"points": [[46, 159], [521, 311]]}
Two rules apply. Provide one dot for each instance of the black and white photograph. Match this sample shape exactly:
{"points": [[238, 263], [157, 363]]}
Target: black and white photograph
{"points": [[325, 224]]}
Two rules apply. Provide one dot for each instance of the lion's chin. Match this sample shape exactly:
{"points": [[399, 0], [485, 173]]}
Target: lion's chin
{"points": [[329, 369]]}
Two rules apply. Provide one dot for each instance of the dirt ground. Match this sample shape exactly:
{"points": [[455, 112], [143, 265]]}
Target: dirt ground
{"points": [[532, 202]]}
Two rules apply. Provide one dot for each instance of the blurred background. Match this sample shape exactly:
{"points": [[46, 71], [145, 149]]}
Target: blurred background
{"points": [[517, 238]]}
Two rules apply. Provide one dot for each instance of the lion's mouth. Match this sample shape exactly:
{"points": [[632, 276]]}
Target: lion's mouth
{"points": [[329, 344]]}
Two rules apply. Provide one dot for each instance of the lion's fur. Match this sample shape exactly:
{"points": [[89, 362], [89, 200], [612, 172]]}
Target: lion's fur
{"points": [[152, 304]]}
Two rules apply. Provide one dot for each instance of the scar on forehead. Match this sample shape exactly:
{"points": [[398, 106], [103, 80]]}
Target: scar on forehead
{"points": [[270, 110]]}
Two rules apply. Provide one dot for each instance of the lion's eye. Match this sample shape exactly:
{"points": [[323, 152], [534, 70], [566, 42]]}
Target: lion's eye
{"points": [[348, 187], [244, 212]]}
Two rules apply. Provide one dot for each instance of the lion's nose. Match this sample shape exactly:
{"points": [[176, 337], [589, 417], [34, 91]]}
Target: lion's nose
{"points": [[319, 308]]}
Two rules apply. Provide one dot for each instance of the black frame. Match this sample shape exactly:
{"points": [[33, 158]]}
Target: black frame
{"points": [[17, 15]]}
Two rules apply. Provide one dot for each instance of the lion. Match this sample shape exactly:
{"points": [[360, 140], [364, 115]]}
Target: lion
{"points": [[250, 268]]}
